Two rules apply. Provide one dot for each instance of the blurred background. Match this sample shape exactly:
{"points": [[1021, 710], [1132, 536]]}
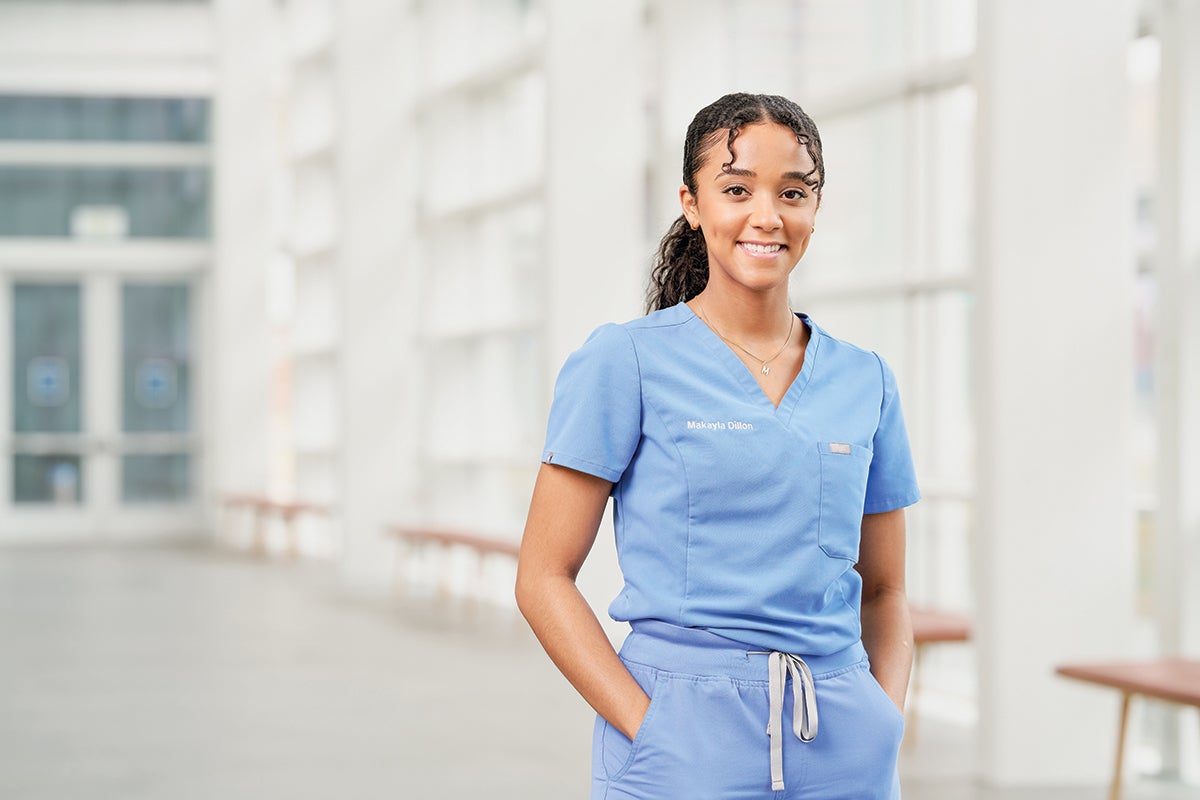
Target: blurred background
{"points": [[285, 284]]}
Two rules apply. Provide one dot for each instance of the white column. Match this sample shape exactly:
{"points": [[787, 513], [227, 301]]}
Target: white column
{"points": [[1177, 350], [245, 126], [1177, 374], [377, 162], [1054, 541]]}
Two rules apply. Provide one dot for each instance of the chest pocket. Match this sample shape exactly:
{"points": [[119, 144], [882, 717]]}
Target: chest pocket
{"points": [[844, 470]]}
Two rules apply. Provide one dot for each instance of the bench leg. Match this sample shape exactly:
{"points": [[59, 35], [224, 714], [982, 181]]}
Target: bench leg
{"points": [[445, 554], [260, 533], [1115, 792], [293, 540], [910, 712], [474, 598], [399, 579]]}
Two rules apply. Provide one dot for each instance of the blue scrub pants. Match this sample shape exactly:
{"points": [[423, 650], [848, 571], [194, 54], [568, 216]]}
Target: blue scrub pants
{"points": [[705, 736]]}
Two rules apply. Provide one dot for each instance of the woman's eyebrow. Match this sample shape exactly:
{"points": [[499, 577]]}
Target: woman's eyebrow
{"points": [[747, 173]]}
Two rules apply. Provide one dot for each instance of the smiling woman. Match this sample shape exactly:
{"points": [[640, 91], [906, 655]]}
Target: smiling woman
{"points": [[764, 547]]}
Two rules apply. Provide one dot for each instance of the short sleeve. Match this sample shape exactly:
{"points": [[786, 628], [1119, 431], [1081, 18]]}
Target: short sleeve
{"points": [[892, 480], [596, 418]]}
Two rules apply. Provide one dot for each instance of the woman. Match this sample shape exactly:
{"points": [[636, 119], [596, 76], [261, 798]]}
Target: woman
{"points": [[759, 469]]}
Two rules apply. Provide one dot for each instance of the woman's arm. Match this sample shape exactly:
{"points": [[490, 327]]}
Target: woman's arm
{"points": [[564, 516], [886, 626]]}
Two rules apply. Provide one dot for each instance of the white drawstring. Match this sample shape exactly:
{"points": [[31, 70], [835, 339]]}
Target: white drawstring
{"points": [[804, 706]]}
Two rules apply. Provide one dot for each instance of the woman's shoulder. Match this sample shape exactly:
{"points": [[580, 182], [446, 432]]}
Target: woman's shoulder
{"points": [[669, 317], [621, 346], [843, 352], [622, 335]]}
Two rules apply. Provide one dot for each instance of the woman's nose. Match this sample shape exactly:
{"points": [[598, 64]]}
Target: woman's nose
{"points": [[765, 216]]}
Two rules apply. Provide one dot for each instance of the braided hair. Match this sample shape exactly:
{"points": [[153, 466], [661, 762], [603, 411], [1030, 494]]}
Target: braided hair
{"points": [[680, 270]]}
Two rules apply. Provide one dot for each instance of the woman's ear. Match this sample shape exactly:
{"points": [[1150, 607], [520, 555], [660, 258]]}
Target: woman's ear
{"points": [[687, 201]]}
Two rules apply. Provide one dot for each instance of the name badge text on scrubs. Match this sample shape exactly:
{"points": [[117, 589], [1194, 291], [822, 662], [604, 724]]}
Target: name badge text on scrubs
{"points": [[718, 425], [840, 448]]}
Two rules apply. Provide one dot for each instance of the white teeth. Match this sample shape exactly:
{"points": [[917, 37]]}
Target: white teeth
{"points": [[762, 249]]}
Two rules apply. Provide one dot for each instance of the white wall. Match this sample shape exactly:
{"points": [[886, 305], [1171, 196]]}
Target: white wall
{"points": [[597, 142], [593, 182], [595, 165], [140, 48], [377, 164]]}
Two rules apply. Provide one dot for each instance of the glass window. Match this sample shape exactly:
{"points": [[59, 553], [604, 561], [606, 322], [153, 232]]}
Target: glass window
{"points": [[506, 130], [156, 478], [54, 478], [944, 190], [873, 323], [66, 201], [462, 35], [870, 171], [104, 119], [46, 376], [941, 417], [842, 44], [939, 553], [156, 347], [943, 28]]}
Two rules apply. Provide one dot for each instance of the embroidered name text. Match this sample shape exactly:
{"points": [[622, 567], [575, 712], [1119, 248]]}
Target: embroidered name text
{"points": [[718, 425]]}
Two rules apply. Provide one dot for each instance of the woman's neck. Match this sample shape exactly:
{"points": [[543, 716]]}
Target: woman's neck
{"points": [[745, 317]]}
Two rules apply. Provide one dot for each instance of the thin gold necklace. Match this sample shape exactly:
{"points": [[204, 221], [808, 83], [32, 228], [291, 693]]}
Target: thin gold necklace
{"points": [[765, 369]]}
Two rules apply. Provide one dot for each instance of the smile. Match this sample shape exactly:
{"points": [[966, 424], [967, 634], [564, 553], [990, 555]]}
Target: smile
{"points": [[760, 249]]}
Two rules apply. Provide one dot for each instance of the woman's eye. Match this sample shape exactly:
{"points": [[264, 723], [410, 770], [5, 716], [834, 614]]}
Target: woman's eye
{"points": [[736, 191], [794, 194]]}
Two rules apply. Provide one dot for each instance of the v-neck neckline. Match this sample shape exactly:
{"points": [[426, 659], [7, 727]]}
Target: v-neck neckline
{"points": [[741, 373]]}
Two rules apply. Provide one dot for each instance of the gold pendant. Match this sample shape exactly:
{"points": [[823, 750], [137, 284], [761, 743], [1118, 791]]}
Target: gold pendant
{"points": [[766, 370]]}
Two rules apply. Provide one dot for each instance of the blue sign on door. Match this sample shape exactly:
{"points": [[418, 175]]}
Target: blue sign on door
{"points": [[48, 381], [156, 383]]}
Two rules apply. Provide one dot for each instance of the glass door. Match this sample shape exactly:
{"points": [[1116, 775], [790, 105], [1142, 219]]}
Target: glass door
{"points": [[48, 442], [156, 394], [103, 412]]}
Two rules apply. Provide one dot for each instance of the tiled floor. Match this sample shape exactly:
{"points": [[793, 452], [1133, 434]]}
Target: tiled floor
{"points": [[180, 672]]}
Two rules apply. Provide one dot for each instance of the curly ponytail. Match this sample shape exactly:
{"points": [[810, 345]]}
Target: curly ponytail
{"points": [[680, 269]]}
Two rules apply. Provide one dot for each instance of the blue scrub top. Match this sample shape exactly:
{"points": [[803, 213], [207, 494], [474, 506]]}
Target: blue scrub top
{"points": [[733, 515]]}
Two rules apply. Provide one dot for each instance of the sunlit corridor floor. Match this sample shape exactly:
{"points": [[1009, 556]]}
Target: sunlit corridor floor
{"points": [[181, 672]]}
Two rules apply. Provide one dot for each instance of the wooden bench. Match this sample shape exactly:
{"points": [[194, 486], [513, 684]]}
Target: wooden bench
{"points": [[262, 509], [930, 626], [482, 548], [1171, 680]]}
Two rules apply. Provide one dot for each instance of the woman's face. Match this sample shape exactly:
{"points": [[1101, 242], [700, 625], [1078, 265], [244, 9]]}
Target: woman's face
{"points": [[757, 217]]}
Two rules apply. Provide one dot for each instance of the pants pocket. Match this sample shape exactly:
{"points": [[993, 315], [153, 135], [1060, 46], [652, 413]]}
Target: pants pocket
{"points": [[887, 707], [618, 751]]}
